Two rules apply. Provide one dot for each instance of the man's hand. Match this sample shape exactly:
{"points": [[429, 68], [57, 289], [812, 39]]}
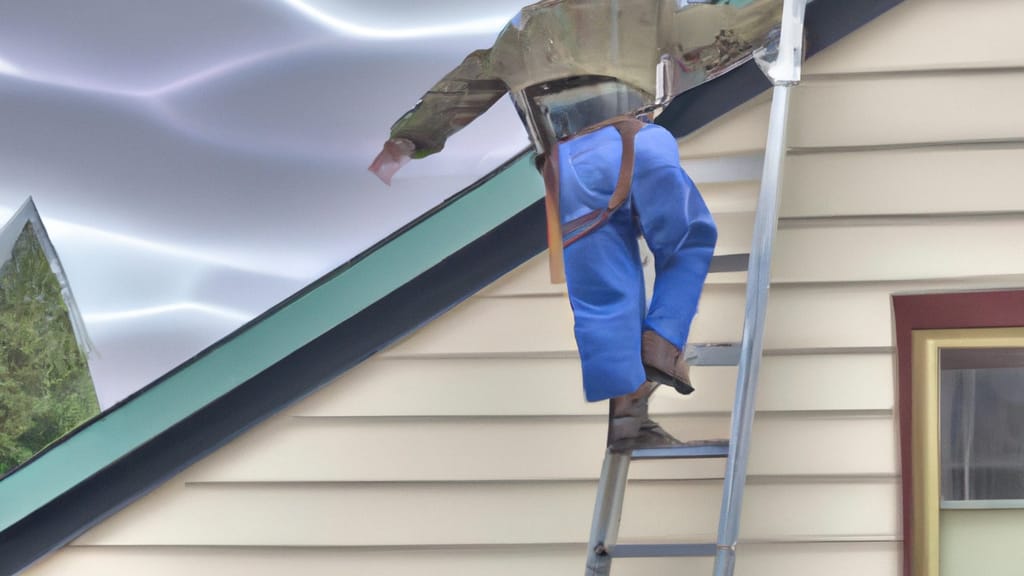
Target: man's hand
{"points": [[395, 154]]}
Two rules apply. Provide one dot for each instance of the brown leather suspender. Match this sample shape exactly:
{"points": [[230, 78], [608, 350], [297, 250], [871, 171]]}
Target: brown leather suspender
{"points": [[555, 257], [627, 126]]}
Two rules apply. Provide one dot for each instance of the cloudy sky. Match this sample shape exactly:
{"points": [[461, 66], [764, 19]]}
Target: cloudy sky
{"points": [[197, 162]]}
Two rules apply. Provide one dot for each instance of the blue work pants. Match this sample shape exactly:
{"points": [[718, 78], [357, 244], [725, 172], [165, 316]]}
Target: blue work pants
{"points": [[603, 270]]}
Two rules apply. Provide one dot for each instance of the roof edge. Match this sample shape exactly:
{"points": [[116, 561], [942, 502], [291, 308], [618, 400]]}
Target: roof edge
{"points": [[266, 341]]}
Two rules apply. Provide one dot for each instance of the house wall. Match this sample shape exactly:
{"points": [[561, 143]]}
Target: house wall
{"points": [[467, 448]]}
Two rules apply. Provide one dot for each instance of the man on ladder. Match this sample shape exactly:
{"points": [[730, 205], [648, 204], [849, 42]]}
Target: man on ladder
{"points": [[580, 72]]}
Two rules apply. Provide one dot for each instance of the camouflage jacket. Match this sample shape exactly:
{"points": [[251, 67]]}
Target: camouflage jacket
{"points": [[619, 39]]}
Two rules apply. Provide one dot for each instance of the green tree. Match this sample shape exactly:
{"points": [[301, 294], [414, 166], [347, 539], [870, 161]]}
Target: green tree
{"points": [[45, 386]]}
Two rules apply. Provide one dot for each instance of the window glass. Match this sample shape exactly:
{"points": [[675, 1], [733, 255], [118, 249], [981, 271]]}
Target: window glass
{"points": [[982, 424]]}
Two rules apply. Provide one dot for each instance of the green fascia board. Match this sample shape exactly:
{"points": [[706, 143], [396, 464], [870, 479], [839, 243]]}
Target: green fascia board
{"points": [[262, 343]]}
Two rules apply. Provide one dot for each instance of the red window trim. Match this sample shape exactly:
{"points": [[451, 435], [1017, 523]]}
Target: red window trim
{"points": [[995, 309]]}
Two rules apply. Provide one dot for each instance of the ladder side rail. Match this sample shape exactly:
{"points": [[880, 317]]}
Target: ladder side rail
{"points": [[784, 73], [750, 360], [607, 511]]}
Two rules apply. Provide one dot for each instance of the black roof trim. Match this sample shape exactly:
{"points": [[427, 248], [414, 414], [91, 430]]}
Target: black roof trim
{"points": [[827, 21], [346, 345]]}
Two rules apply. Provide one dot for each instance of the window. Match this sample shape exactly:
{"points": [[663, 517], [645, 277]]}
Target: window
{"points": [[967, 487], [960, 396]]}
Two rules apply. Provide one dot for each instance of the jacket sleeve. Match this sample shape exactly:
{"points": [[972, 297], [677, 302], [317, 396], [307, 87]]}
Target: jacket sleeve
{"points": [[459, 98]]}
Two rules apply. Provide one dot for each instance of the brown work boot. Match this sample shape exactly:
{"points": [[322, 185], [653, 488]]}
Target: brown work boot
{"points": [[629, 424], [664, 363]]}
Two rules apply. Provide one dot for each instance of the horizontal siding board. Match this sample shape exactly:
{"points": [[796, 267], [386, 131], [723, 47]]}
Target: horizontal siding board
{"points": [[446, 514], [851, 316], [512, 326], [955, 180], [886, 249], [857, 250], [858, 318], [854, 315], [735, 231], [804, 559], [930, 35], [731, 197], [826, 382], [495, 326], [911, 181], [874, 111], [553, 386], [902, 250], [779, 511], [742, 131], [731, 169], [453, 387], [530, 448]]}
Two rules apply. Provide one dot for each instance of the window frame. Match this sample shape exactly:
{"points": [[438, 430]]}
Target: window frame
{"points": [[926, 455], [922, 312]]}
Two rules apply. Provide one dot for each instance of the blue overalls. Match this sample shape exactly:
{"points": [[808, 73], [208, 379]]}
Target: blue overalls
{"points": [[602, 268]]}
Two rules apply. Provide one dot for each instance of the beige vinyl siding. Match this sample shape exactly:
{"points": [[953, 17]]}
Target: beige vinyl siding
{"points": [[420, 513], [859, 558], [467, 448], [436, 449], [931, 35], [398, 387]]}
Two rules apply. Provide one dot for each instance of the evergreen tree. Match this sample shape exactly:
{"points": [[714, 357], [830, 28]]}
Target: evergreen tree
{"points": [[45, 386]]}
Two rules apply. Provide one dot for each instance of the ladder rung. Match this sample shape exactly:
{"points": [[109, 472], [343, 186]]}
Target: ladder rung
{"points": [[725, 354], [697, 449], [729, 263], [661, 550]]}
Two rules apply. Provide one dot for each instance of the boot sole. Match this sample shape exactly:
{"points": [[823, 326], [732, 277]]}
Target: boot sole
{"points": [[664, 379]]}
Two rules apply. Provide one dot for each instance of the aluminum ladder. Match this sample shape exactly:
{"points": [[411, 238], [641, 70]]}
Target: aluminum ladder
{"points": [[784, 72]]}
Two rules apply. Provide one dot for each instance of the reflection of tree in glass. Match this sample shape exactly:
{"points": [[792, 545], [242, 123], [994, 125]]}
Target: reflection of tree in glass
{"points": [[45, 386]]}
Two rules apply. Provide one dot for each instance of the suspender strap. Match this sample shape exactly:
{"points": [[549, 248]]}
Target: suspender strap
{"points": [[627, 126], [556, 258]]}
